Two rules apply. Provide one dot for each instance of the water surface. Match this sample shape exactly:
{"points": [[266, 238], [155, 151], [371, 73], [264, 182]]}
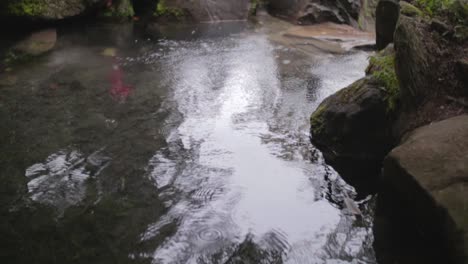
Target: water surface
{"points": [[188, 145]]}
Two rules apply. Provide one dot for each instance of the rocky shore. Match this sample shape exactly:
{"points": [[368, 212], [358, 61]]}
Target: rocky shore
{"points": [[402, 130]]}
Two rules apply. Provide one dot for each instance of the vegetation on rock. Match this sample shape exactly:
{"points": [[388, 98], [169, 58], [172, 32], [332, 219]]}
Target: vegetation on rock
{"points": [[163, 10], [408, 9], [385, 75], [26, 7], [123, 8]]}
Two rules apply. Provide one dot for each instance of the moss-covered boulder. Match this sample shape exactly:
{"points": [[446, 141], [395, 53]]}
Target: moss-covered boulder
{"points": [[47, 9], [410, 10], [353, 126], [428, 172]]}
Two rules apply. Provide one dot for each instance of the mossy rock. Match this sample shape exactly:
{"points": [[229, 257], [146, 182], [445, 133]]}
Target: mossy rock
{"points": [[410, 10], [47, 9], [382, 68], [120, 9], [171, 12], [352, 129]]}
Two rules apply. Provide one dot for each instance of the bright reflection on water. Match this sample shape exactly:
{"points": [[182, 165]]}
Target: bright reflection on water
{"points": [[248, 170]]}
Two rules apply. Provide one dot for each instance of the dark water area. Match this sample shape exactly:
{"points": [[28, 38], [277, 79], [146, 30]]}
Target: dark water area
{"points": [[185, 144]]}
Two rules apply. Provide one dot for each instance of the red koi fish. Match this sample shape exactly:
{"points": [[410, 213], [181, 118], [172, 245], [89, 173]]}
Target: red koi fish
{"points": [[119, 90]]}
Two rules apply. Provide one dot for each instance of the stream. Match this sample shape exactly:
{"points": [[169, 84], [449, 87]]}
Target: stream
{"points": [[187, 145]]}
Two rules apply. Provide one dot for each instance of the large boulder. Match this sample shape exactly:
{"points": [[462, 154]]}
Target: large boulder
{"points": [[428, 173], [47, 9], [317, 11], [387, 14], [351, 128]]}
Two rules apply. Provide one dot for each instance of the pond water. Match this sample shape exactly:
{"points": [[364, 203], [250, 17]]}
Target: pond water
{"points": [[183, 145]]}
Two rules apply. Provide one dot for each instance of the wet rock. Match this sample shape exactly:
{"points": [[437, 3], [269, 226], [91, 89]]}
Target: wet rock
{"points": [[201, 10], [366, 20], [429, 173], [410, 10], [387, 14], [351, 128], [37, 43], [314, 11], [412, 60], [48, 9]]}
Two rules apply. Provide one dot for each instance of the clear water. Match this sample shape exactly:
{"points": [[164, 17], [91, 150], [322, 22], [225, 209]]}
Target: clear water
{"points": [[190, 145]]}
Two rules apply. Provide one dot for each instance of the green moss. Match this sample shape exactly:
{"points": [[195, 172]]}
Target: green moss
{"points": [[27, 8], [434, 7], [122, 8], [253, 7], [384, 73], [317, 118], [163, 10], [459, 12], [408, 9], [14, 58]]}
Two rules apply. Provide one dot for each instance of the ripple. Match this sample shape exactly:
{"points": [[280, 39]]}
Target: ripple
{"points": [[210, 235], [205, 194]]}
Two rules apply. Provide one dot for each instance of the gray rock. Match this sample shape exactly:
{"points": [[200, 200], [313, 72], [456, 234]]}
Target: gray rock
{"points": [[429, 173], [387, 14]]}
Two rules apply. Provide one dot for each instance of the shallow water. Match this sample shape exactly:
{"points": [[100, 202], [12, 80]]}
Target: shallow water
{"points": [[190, 145]]}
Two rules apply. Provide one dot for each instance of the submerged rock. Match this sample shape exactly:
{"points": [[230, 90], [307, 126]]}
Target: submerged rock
{"points": [[37, 43], [387, 14], [429, 173]]}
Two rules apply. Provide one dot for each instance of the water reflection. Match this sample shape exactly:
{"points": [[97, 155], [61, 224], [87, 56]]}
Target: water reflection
{"points": [[60, 180], [246, 171]]}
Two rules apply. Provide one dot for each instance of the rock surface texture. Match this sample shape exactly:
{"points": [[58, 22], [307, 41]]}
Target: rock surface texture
{"points": [[429, 172]]}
